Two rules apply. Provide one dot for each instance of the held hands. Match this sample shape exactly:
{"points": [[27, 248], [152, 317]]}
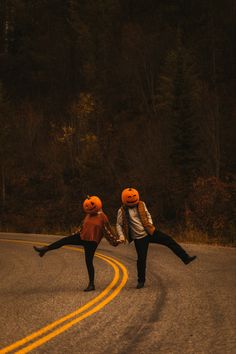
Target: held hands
{"points": [[118, 241], [121, 240], [112, 236]]}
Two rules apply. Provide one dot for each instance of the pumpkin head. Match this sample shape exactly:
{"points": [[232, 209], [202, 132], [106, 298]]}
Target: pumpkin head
{"points": [[130, 197], [92, 204]]}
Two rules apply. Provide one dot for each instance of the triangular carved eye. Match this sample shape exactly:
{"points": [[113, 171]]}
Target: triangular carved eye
{"points": [[92, 203]]}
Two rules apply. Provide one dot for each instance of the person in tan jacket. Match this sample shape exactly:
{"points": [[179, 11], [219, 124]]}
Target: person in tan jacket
{"points": [[134, 223]]}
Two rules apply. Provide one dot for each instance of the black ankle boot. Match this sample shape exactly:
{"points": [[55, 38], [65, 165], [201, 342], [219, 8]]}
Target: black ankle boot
{"points": [[41, 250], [90, 287], [140, 285], [189, 259]]}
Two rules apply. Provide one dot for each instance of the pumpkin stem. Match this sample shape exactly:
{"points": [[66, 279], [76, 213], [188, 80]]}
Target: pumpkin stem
{"points": [[88, 196]]}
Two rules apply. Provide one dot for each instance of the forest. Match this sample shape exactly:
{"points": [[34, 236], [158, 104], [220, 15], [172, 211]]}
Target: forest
{"points": [[97, 96]]}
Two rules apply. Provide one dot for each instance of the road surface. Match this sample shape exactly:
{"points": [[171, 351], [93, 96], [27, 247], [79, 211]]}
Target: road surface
{"points": [[182, 309]]}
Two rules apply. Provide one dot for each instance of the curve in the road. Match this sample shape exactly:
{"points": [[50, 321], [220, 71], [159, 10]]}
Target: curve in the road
{"points": [[62, 324]]}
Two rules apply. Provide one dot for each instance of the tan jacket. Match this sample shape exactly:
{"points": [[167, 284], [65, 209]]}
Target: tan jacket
{"points": [[149, 228]]}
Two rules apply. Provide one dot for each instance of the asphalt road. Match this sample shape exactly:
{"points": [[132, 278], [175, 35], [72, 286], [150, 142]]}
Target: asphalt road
{"points": [[182, 309]]}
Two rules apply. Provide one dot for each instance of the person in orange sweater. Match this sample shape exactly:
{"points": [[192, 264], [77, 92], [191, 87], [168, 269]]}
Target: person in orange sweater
{"points": [[94, 226]]}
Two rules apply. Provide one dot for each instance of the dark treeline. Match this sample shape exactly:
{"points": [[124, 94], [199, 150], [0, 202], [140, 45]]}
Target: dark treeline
{"points": [[99, 95]]}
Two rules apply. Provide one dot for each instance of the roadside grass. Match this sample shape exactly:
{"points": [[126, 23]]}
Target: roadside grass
{"points": [[179, 233], [191, 235]]}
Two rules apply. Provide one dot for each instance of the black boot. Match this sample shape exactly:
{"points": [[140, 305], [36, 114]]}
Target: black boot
{"points": [[41, 250], [189, 259], [140, 285], [90, 287]]}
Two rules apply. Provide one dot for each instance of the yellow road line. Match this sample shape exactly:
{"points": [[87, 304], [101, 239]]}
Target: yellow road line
{"points": [[76, 320], [46, 338]]}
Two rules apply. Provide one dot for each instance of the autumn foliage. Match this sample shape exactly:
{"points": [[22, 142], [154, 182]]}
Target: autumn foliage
{"points": [[97, 96], [211, 208]]}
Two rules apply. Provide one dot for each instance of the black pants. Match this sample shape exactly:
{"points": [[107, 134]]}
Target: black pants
{"points": [[141, 246], [89, 249]]}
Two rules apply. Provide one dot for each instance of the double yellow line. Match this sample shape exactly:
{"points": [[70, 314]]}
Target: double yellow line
{"points": [[55, 328]]}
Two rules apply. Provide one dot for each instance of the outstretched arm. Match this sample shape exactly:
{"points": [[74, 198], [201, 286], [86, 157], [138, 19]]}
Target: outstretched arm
{"points": [[110, 234], [78, 229], [119, 223]]}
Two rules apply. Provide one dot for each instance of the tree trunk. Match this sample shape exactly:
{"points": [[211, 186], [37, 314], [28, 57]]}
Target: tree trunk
{"points": [[2, 25], [3, 189], [216, 111]]}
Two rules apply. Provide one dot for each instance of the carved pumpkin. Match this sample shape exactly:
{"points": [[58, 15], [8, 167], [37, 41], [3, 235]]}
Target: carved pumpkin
{"points": [[130, 197], [92, 204]]}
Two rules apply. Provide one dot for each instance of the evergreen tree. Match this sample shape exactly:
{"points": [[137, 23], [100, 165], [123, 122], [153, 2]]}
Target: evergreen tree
{"points": [[178, 103], [186, 142], [8, 142]]}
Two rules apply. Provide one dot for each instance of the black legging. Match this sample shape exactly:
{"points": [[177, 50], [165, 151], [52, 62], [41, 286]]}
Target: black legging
{"points": [[158, 236], [89, 248]]}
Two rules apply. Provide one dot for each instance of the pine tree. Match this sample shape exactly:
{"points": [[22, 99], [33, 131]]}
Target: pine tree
{"points": [[184, 119], [178, 103], [6, 143]]}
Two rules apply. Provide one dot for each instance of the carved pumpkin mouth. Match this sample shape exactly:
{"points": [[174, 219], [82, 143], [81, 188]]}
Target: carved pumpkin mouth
{"points": [[132, 201], [94, 207]]}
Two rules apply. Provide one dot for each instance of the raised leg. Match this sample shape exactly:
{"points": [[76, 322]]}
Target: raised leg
{"points": [[68, 240], [166, 240]]}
